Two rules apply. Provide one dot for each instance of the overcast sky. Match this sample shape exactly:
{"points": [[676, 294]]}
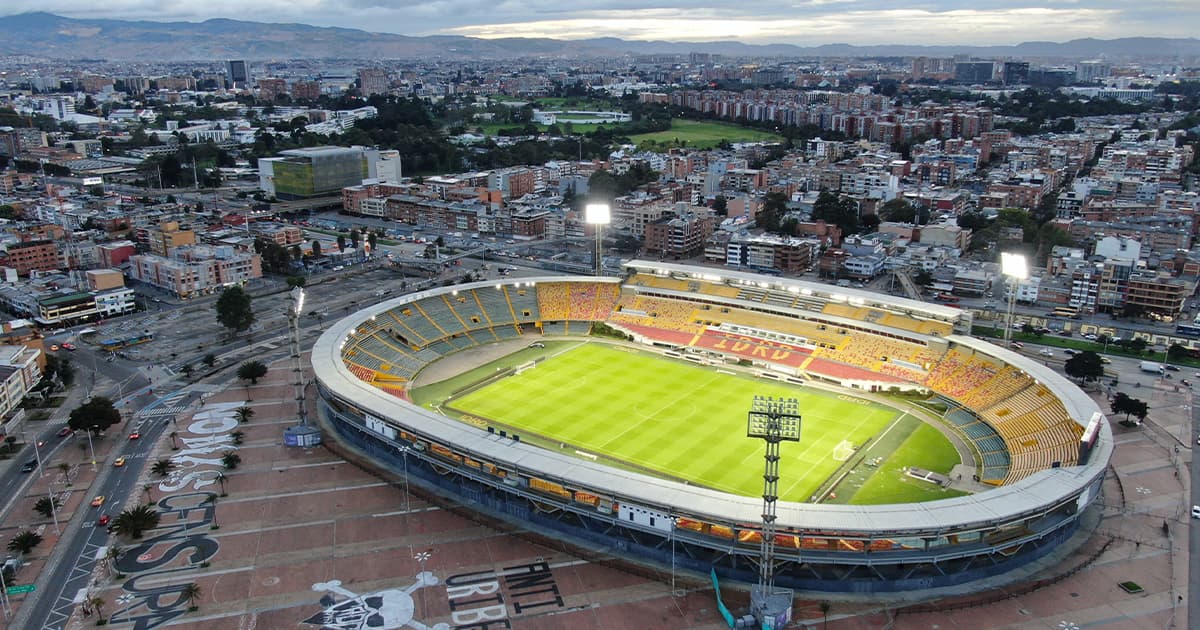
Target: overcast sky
{"points": [[802, 22]]}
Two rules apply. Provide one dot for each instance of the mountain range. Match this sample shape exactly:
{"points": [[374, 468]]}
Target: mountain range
{"points": [[52, 36]]}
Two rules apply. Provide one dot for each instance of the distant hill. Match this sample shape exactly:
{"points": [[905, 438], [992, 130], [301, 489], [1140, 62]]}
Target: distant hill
{"points": [[53, 36]]}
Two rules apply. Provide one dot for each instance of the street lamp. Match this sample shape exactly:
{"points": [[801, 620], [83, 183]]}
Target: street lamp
{"points": [[1013, 267], [598, 215]]}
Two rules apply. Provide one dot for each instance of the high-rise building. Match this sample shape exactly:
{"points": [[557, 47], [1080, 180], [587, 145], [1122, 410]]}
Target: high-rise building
{"points": [[373, 81], [1016, 72], [239, 73], [974, 71]]}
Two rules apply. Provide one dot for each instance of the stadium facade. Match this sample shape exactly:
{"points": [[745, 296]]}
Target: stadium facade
{"points": [[1036, 438]]}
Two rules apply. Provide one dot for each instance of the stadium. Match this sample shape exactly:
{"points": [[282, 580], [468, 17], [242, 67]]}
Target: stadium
{"points": [[612, 412]]}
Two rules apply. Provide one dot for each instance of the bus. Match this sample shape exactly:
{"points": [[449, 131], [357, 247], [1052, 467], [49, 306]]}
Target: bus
{"points": [[1066, 311], [1188, 330], [948, 298]]}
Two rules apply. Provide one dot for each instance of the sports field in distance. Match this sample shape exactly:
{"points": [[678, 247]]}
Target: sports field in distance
{"points": [[701, 135], [682, 420]]}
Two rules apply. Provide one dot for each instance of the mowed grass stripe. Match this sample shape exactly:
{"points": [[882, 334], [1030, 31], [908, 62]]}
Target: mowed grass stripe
{"points": [[680, 419]]}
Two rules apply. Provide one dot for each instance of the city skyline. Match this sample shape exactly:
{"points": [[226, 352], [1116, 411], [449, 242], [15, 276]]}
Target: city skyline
{"points": [[815, 22]]}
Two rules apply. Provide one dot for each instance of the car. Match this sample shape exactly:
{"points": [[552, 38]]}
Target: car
{"points": [[339, 267], [98, 500], [1046, 352], [156, 300], [53, 347], [65, 431], [1016, 344], [68, 346], [1105, 360], [135, 435], [1196, 511], [1069, 351], [103, 520], [29, 466], [120, 461], [1090, 337], [1172, 368], [537, 344]]}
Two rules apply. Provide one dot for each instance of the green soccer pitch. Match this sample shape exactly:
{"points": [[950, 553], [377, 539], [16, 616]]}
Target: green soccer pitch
{"points": [[687, 421]]}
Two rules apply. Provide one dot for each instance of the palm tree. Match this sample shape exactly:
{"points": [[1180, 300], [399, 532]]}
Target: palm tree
{"points": [[238, 437], [113, 554], [244, 413], [163, 467], [135, 521], [98, 603], [24, 542], [191, 592], [212, 498], [221, 479], [146, 489], [174, 444], [825, 607], [230, 460], [46, 506]]}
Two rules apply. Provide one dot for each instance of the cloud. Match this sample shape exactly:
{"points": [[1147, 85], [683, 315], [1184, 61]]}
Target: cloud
{"points": [[803, 22]]}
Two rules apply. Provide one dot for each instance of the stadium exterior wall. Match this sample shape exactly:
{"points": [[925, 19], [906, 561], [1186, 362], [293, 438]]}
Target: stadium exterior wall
{"points": [[941, 543]]}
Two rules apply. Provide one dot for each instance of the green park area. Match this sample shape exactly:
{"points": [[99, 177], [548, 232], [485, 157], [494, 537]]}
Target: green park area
{"points": [[701, 135]]}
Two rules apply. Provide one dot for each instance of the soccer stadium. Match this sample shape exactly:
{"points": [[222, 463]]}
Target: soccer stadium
{"points": [[613, 412]]}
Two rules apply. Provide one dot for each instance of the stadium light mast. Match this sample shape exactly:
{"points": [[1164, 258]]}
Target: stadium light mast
{"points": [[598, 215], [294, 309], [301, 434], [1013, 267], [773, 420]]}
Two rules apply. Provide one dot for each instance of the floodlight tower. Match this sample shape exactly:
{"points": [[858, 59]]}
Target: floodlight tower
{"points": [[1013, 267], [598, 215], [773, 420], [294, 309]]}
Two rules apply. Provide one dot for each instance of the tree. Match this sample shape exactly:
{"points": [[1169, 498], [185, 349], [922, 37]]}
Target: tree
{"points": [[244, 413], [97, 604], [47, 506], [831, 208], [355, 238], [238, 437], [372, 240], [230, 460], [1178, 352], [187, 370], [136, 521], [95, 415], [1123, 403], [191, 592], [222, 479], [174, 435], [252, 371], [1085, 366], [234, 311], [316, 248], [720, 205], [163, 467], [341, 242], [24, 542], [209, 359]]}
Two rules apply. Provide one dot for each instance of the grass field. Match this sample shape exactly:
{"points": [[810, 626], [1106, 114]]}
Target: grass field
{"points": [[701, 135], [676, 418]]}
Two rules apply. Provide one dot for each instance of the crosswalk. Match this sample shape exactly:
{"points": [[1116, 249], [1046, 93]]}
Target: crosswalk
{"points": [[168, 406]]}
